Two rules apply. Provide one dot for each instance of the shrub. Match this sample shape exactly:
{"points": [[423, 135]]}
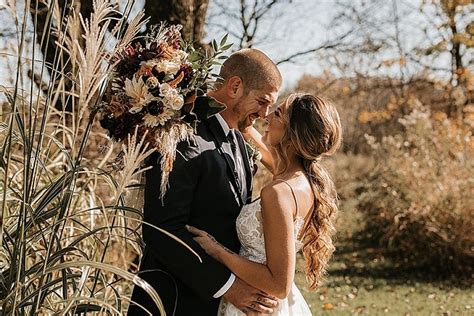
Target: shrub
{"points": [[373, 104], [419, 199]]}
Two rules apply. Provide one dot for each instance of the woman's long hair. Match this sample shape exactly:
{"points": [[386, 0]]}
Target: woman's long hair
{"points": [[313, 130]]}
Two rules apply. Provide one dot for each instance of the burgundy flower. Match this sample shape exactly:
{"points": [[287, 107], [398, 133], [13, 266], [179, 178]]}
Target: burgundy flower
{"points": [[125, 124], [108, 122], [155, 107], [188, 75], [160, 75], [148, 54], [128, 67]]}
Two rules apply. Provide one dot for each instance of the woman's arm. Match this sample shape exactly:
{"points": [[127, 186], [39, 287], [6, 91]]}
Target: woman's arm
{"points": [[276, 276], [252, 135]]}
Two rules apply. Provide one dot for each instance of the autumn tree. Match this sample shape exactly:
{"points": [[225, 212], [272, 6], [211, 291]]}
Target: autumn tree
{"points": [[455, 36], [406, 44]]}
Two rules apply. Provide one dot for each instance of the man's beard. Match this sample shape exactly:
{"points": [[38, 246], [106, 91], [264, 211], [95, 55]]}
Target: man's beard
{"points": [[245, 123], [237, 111], [241, 122]]}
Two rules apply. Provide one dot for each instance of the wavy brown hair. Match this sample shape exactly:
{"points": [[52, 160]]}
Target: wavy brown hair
{"points": [[313, 130]]}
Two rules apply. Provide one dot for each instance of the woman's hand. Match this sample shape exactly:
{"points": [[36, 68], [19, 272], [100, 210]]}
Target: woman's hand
{"points": [[212, 247]]}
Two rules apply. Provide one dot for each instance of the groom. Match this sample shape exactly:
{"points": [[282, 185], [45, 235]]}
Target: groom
{"points": [[211, 181]]}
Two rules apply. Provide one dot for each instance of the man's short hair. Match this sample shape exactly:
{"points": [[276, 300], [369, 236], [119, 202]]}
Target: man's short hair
{"points": [[255, 68]]}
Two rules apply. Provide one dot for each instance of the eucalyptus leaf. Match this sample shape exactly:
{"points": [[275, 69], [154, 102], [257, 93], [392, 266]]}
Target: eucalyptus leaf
{"points": [[224, 39]]}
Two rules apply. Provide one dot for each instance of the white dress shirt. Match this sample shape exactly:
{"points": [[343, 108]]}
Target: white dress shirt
{"points": [[240, 170], [238, 159]]}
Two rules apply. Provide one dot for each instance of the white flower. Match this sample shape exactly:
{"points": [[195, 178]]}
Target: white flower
{"points": [[165, 90], [150, 63], [168, 66], [138, 93], [175, 102], [155, 120], [180, 56], [171, 98]]}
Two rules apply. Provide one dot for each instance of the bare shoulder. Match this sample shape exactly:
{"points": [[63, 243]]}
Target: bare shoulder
{"points": [[277, 197], [274, 189]]}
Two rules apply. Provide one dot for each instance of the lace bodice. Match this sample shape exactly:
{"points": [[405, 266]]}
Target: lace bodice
{"points": [[249, 226], [250, 232]]}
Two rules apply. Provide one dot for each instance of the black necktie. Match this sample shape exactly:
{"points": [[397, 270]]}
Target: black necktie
{"points": [[233, 143], [239, 172]]}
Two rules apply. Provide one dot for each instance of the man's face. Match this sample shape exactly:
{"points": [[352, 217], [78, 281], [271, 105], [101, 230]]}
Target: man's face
{"points": [[255, 104]]}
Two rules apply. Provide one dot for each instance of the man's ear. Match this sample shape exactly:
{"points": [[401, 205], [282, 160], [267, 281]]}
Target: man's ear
{"points": [[235, 87]]}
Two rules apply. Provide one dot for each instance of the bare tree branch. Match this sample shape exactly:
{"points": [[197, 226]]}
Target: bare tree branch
{"points": [[328, 45], [250, 14]]}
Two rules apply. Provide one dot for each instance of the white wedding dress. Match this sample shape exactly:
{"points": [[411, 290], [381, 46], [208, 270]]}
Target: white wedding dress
{"points": [[250, 233]]}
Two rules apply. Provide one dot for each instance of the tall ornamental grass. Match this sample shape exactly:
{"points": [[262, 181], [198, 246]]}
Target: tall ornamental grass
{"points": [[67, 235], [419, 199]]}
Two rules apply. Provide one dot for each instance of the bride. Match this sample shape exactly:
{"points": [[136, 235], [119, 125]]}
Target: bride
{"points": [[296, 210]]}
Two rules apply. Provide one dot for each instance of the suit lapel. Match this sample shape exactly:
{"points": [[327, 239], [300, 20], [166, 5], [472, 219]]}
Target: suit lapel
{"points": [[224, 149], [248, 171]]}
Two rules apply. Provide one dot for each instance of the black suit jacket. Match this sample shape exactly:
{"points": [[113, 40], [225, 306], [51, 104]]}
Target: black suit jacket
{"points": [[203, 192]]}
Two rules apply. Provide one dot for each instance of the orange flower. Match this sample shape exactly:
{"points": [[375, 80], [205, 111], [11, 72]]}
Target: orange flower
{"points": [[167, 51], [175, 82], [144, 70]]}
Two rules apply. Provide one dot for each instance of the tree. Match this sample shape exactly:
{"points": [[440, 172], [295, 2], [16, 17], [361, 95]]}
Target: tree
{"points": [[246, 15], [252, 22], [455, 37], [407, 42], [191, 14]]}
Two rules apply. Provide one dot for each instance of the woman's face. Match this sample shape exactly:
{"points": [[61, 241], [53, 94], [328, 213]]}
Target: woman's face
{"points": [[276, 127]]}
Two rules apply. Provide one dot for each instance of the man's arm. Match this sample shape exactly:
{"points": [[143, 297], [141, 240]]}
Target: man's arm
{"points": [[172, 215]]}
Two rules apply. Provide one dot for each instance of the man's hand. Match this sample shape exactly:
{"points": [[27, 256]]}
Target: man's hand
{"points": [[250, 300]]}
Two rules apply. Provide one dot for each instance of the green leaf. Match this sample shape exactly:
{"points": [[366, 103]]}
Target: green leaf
{"points": [[215, 107], [226, 47], [224, 39], [194, 57], [205, 107]]}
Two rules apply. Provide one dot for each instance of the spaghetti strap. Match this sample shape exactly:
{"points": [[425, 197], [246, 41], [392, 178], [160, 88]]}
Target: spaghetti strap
{"points": [[294, 197]]}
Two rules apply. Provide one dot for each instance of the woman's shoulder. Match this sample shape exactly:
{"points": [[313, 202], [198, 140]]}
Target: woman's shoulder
{"points": [[283, 186], [277, 195], [275, 188], [293, 194]]}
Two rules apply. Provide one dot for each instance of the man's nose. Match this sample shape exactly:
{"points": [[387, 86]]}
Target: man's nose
{"points": [[263, 113], [268, 117]]}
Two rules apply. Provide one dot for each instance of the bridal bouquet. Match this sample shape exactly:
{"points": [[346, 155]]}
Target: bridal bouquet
{"points": [[153, 88]]}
